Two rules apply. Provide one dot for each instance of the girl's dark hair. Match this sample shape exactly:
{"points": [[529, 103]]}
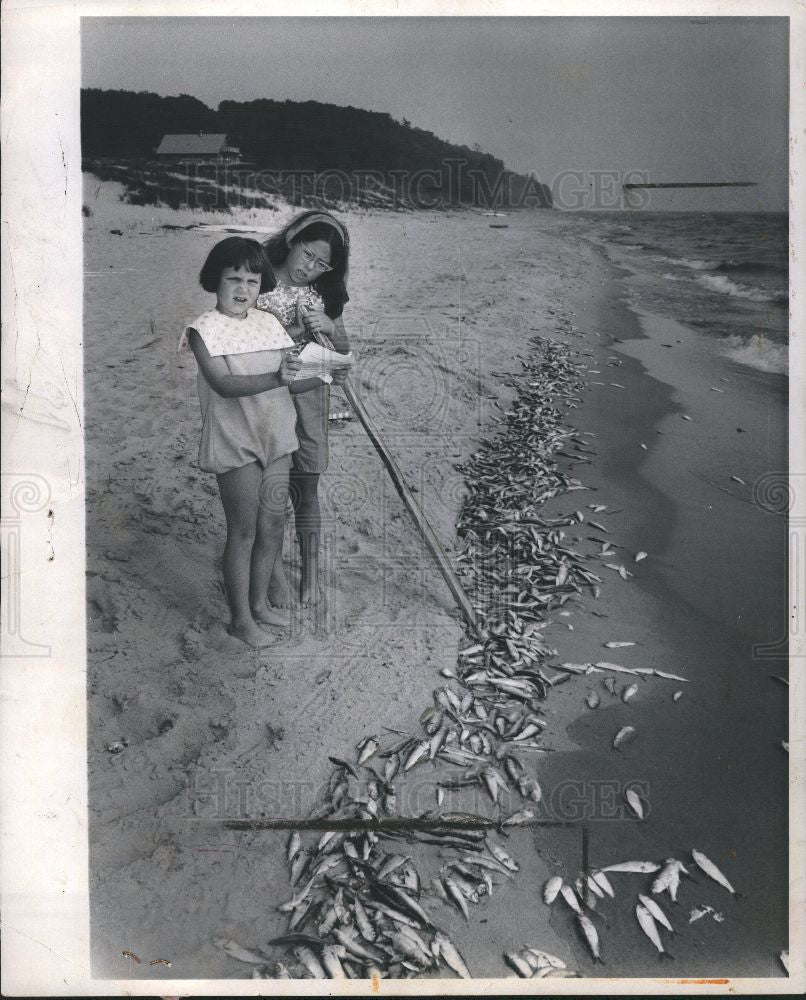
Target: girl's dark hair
{"points": [[332, 285], [235, 251]]}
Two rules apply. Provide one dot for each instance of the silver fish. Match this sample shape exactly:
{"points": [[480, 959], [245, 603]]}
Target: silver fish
{"points": [[625, 734], [518, 964], [544, 959], [330, 959], [618, 645], [501, 855], [589, 932], [671, 677], [293, 846], [629, 692], [669, 878], [635, 803], [420, 752], [234, 950], [604, 665], [634, 867], [712, 871], [593, 699], [456, 895], [656, 911], [307, 959], [450, 954], [604, 882], [647, 925], [552, 889], [570, 897], [367, 748]]}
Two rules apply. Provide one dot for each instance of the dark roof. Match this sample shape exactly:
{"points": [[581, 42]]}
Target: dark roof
{"points": [[209, 143]]}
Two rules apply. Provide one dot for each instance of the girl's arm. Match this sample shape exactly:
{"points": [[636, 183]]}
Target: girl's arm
{"points": [[221, 380], [318, 322]]}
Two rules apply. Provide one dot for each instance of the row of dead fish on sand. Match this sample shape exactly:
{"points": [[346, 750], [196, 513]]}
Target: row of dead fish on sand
{"points": [[359, 908]]}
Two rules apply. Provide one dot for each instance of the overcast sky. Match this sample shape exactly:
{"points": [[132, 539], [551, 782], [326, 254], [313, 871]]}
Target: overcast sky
{"points": [[682, 99]]}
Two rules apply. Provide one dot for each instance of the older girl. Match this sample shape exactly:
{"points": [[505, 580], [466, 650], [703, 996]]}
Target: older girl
{"points": [[309, 258], [248, 420]]}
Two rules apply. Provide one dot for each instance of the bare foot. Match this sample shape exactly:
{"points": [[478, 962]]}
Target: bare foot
{"points": [[279, 595], [251, 634], [310, 594], [268, 615]]}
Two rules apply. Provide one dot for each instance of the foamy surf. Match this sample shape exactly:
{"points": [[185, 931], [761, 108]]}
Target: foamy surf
{"points": [[719, 283], [757, 352]]}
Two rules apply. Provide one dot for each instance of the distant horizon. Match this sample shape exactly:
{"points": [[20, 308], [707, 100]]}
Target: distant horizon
{"points": [[669, 97]]}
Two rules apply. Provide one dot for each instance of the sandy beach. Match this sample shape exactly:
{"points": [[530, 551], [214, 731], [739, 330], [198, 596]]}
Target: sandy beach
{"points": [[442, 306]]}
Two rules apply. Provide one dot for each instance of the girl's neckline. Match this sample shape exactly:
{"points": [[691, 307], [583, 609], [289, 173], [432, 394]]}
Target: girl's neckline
{"points": [[227, 316]]}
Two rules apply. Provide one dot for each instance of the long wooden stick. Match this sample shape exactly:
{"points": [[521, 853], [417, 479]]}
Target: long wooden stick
{"points": [[411, 505]]}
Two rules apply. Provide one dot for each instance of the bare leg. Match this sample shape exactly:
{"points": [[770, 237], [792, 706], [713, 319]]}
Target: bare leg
{"points": [[308, 518], [267, 552], [239, 495], [278, 584]]}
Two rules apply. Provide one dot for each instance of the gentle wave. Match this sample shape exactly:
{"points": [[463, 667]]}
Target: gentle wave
{"points": [[757, 352], [719, 283], [749, 266]]}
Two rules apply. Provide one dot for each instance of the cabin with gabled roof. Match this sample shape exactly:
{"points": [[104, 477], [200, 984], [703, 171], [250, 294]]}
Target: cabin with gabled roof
{"points": [[197, 147]]}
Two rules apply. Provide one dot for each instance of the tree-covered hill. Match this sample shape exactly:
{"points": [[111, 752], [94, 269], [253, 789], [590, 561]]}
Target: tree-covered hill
{"points": [[348, 147]]}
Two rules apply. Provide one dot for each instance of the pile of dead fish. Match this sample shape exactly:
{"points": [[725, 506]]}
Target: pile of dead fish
{"points": [[359, 907]]}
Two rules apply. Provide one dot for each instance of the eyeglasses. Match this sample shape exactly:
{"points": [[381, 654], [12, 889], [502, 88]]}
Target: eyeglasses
{"points": [[310, 258]]}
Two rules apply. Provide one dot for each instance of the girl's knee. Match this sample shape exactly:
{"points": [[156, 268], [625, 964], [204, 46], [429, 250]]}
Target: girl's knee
{"points": [[241, 534]]}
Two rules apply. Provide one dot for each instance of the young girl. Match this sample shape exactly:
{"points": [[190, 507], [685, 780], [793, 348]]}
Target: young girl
{"points": [[248, 419], [309, 257]]}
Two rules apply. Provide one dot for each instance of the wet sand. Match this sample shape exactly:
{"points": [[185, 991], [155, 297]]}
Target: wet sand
{"points": [[438, 303]]}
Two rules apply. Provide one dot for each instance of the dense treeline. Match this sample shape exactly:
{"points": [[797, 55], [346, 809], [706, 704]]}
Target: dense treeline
{"points": [[285, 137]]}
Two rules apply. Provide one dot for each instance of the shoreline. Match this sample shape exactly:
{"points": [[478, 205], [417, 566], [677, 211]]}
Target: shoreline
{"points": [[415, 634]]}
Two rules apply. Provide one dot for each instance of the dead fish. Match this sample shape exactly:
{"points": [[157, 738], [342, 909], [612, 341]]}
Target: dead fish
{"points": [[656, 911], [570, 897], [234, 950], [624, 735], [365, 925], [518, 964], [629, 692], [330, 959], [604, 882], [293, 846], [736, 478], [703, 910], [298, 866], [575, 668], [593, 886], [639, 556], [551, 889], [489, 863], [712, 871], [310, 962], [367, 748], [677, 696], [530, 788], [634, 867], [354, 946], [593, 700], [610, 685], [451, 955], [405, 946], [669, 878], [456, 896], [634, 802], [590, 935], [671, 677], [420, 752], [604, 665], [647, 925], [545, 960], [301, 896], [501, 855], [619, 645], [686, 417]]}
